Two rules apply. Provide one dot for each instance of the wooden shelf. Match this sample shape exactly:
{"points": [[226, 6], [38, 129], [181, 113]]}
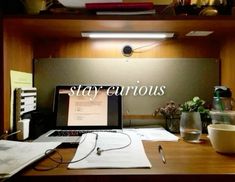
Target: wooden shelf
{"points": [[72, 25]]}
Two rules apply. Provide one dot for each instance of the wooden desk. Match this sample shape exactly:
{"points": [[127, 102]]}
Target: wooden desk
{"points": [[185, 162]]}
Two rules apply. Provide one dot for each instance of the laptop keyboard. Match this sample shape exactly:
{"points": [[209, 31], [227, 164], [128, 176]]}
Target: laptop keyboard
{"points": [[68, 133], [74, 132]]}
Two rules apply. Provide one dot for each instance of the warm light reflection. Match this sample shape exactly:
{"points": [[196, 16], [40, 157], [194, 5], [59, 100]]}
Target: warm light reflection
{"points": [[130, 35], [119, 44]]}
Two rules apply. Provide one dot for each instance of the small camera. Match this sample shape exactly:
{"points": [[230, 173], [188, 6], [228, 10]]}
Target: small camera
{"points": [[127, 51]]}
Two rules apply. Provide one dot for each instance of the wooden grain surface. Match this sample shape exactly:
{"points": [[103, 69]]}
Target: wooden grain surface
{"points": [[17, 56], [72, 25], [86, 48], [1, 77], [183, 159], [228, 64]]}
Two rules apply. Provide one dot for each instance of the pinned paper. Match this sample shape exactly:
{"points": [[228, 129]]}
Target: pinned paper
{"points": [[18, 80]]}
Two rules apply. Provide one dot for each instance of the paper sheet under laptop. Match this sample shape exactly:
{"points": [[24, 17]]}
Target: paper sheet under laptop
{"points": [[154, 134], [132, 156]]}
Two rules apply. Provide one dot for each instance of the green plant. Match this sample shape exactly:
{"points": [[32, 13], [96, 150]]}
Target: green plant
{"points": [[194, 105]]}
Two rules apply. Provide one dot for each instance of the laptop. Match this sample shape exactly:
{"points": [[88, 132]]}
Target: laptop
{"points": [[84, 108]]}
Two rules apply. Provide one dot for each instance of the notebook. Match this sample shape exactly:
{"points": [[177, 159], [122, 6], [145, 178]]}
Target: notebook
{"points": [[84, 108]]}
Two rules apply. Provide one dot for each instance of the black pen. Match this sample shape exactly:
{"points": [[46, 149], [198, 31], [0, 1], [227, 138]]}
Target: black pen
{"points": [[160, 150]]}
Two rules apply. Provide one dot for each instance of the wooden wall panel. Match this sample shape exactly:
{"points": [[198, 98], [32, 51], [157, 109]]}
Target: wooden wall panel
{"points": [[228, 63], [1, 77], [18, 55], [198, 48]]}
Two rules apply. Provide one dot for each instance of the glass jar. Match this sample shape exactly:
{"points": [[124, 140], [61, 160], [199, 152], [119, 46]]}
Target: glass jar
{"points": [[190, 126], [173, 123]]}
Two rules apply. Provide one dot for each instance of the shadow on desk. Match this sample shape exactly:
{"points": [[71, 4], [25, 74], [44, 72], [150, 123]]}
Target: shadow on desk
{"points": [[127, 178]]}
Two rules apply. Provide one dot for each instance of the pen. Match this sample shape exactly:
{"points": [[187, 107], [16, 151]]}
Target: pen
{"points": [[6, 135], [160, 150]]}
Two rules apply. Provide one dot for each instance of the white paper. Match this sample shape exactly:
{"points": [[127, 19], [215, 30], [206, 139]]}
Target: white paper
{"points": [[81, 3], [86, 111], [146, 12], [14, 156], [154, 134], [132, 156]]}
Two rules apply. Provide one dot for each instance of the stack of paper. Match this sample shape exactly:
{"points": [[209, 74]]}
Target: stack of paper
{"points": [[14, 156], [122, 8], [81, 3], [154, 134], [132, 156]]}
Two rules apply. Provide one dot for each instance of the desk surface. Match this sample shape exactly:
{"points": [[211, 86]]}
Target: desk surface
{"points": [[183, 159]]}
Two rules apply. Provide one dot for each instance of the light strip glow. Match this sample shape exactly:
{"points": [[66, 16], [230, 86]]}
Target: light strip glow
{"points": [[129, 35], [199, 33]]}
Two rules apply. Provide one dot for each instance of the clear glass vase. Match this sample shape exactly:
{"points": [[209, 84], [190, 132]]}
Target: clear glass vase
{"points": [[173, 124], [190, 126]]}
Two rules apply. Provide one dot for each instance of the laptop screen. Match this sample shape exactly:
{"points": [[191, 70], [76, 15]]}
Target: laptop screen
{"points": [[88, 107]]}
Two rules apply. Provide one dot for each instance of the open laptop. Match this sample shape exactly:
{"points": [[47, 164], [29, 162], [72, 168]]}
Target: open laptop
{"points": [[84, 108]]}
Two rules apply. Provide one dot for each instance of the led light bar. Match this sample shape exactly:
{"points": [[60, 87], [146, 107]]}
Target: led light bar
{"points": [[129, 35]]}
